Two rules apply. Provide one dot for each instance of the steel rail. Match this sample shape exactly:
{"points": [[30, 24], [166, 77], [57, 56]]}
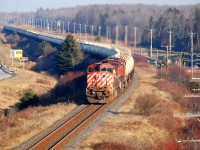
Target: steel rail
{"points": [[61, 132]]}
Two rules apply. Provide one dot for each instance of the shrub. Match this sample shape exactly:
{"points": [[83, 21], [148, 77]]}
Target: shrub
{"points": [[110, 146], [177, 92], [146, 105], [174, 73], [29, 98], [70, 77]]}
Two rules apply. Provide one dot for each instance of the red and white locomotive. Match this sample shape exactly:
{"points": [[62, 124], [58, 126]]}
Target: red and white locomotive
{"points": [[107, 78]]}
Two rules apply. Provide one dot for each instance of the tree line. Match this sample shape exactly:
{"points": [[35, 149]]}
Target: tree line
{"points": [[180, 20]]}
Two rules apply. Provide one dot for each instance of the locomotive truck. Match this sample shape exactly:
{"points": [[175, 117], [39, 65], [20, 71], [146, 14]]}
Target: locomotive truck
{"points": [[107, 78]]}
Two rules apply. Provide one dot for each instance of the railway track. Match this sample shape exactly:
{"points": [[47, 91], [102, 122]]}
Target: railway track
{"points": [[61, 135]]}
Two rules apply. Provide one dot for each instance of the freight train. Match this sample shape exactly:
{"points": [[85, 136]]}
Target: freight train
{"points": [[107, 78]]}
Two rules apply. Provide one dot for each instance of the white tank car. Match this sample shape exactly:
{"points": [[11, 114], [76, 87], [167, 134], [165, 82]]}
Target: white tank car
{"points": [[129, 65], [125, 53]]}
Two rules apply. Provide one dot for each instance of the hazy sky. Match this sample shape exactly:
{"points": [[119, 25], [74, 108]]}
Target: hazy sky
{"points": [[32, 5]]}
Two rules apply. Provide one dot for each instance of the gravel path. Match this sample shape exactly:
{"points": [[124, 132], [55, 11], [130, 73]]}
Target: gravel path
{"points": [[74, 144]]}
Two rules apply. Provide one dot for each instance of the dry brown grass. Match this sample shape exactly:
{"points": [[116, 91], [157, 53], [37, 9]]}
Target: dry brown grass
{"points": [[147, 104], [12, 89], [176, 91], [17, 127], [70, 76], [110, 146], [25, 124], [129, 130]]}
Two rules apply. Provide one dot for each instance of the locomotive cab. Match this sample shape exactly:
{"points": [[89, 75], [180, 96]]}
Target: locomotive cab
{"points": [[107, 78], [100, 82]]}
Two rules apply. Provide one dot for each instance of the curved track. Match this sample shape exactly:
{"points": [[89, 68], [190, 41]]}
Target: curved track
{"points": [[58, 137]]}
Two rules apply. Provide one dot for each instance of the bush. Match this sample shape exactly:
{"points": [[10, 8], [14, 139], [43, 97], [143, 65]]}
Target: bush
{"points": [[174, 73], [146, 105], [177, 92], [110, 146], [28, 99]]}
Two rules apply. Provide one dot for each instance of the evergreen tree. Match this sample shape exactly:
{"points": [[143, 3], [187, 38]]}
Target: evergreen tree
{"points": [[29, 98], [69, 55], [39, 51]]}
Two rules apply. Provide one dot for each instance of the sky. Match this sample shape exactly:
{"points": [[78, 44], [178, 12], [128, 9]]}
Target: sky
{"points": [[33, 5]]}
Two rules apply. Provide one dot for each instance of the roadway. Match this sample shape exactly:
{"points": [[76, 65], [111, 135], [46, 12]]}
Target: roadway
{"points": [[4, 75]]}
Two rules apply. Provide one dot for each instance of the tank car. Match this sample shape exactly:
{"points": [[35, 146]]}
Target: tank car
{"points": [[107, 78]]}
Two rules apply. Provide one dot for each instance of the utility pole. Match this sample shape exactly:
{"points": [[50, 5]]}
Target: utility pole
{"points": [[167, 52], [117, 33], [92, 30], [191, 36], [85, 32], [74, 28], [99, 34], [126, 36], [63, 27], [48, 25], [151, 37], [135, 37], [68, 26], [80, 30], [170, 41], [107, 28], [51, 25], [44, 25], [40, 23]]}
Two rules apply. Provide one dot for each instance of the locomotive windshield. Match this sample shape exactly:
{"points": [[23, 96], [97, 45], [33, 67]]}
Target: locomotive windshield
{"points": [[107, 69], [110, 70], [103, 69], [91, 69]]}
